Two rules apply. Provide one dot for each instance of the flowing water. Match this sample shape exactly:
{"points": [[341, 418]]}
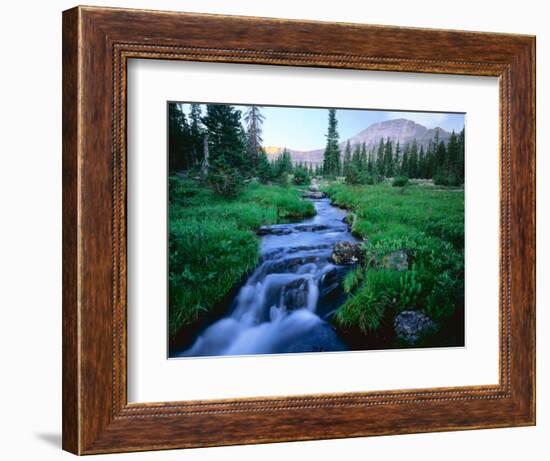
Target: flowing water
{"points": [[284, 305]]}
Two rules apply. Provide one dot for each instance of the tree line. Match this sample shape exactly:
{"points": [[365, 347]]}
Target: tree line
{"points": [[223, 147], [440, 161]]}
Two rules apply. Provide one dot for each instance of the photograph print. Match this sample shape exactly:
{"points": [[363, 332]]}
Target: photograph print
{"points": [[313, 230]]}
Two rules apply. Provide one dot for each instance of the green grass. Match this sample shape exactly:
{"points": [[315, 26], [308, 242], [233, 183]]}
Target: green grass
{"points": [[212, 241], [384, 212], [366, 307], [425, 221], [285, 200]]}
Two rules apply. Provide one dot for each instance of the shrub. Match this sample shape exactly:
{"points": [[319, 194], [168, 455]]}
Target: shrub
{"points": [[265, 170], [354, 175], [440, 179], [400, 181], [224, 179], [301, 177], [283, 180], [410, 290], [453, 180], [372, 178], [444, 180], [446, 295]]}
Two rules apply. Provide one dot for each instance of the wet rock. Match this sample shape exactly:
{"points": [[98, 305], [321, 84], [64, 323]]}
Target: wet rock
{"points": [[347, 253], [289, 264], [410, 326], [295, 294], [330, 277], [274, 230], [311, 227], [397, 260], [330, 284], [285, 229]]}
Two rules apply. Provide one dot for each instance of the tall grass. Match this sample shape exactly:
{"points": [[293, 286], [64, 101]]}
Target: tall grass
{"points": [[367, 306], [212, 241], [206, 259], [285, 200], [385, 212]]}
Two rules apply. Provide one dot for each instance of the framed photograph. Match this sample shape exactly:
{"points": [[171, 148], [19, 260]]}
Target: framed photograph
{"points": [[281, 230]]}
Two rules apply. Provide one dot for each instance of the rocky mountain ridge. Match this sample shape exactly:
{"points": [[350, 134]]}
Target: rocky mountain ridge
{"points": [[401, 129]]}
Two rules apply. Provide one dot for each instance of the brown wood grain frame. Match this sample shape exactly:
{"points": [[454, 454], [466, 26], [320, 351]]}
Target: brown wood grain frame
{"points": [[97, 44]]}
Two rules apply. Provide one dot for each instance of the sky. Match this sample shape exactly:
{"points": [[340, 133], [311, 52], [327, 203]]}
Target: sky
{"points": [[305, 128]]}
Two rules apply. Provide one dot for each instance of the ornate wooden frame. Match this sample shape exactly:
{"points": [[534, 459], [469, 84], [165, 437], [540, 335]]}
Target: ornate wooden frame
{"points": [[97, 43]]}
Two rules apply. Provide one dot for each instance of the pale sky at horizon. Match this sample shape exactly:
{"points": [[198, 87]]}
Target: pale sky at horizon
{"points": [[304, 128]]}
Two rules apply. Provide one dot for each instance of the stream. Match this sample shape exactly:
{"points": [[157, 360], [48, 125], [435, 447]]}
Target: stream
{"points": [[286, 304]]}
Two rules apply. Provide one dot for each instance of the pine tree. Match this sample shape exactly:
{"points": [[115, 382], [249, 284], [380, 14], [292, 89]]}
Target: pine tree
{"points": [[429, 160], [265, 170], [422, 163], [347, 158], [461, 156], [453, 157], [370, 162], [180, 157], [357, 157], [331, 162], [396, 158], [440, 159], [405, 161], [225, 135], [380, 158], [254, 119], [284, 163], [388, 159], [363, 161], [413, 160], [196, 133]]}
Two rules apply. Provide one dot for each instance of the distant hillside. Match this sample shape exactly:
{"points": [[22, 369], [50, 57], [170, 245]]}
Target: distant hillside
{"points": [[297, 156], [401, 129]]}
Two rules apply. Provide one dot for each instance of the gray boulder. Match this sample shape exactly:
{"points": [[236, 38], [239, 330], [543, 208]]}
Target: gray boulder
{"points": [[347, 253], [410, 326]]}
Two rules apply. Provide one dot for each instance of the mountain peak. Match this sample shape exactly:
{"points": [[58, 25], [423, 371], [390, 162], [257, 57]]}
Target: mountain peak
{"points": [[402, 130]]}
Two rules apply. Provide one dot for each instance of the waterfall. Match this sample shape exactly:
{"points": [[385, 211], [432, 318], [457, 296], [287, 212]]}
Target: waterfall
{"points": [[284, 305]]}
